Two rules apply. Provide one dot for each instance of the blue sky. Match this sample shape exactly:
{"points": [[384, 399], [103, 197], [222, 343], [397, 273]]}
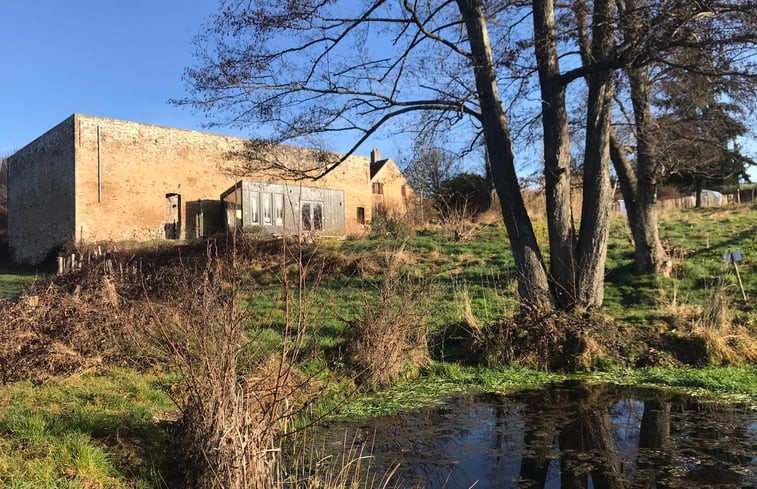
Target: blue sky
{"points": [[107, 58], [115, 59]]}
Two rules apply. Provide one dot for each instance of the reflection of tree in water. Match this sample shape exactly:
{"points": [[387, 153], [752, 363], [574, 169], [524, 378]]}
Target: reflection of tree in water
{"points": [[570, 436], [576, 421], [607, 443]]}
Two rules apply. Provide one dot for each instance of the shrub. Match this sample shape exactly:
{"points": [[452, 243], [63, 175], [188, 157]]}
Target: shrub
{"points": [[390, 337], [387, 225], [235, 401], [553, 341]]}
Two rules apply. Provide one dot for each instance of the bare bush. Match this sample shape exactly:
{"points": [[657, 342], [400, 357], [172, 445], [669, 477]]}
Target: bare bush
{"points": [[391, 337], [58, 328], [386, 224], [459, 223], [236, 400]]}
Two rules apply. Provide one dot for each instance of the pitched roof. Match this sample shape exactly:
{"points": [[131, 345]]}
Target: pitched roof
{"points": [[377, 166]]}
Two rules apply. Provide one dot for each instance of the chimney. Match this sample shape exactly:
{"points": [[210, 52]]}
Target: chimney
{"points": [[375, 155]]}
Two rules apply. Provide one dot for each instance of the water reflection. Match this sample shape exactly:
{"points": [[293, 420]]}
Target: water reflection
{"points": [[570, 435]]}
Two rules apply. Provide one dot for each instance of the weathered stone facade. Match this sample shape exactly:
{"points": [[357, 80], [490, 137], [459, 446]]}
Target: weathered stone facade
{"points": [[389, 188], [41, 195], [92, 179]]}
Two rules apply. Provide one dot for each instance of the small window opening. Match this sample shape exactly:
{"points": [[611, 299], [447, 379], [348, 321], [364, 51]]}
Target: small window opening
{"points": [[267, 209], [361, 215], [255, 217], [279, 208], [317, 217]]}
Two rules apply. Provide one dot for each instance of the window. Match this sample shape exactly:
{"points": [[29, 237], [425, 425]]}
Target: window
{"points": [[306, 217], [255, 213], [361, 215], [278, 202], [378, 188], [312, 216], [404, 191], [317, 216], [267, 210]]}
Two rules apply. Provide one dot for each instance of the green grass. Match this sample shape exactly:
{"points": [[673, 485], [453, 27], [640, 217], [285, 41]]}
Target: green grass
{"points": [[84, 431], [101, 430], [698, 238], [441, 379], [11, 282], [736, 383]]}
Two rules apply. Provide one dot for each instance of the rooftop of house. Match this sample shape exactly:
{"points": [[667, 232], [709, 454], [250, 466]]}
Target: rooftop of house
{"points": [[376, 166]]}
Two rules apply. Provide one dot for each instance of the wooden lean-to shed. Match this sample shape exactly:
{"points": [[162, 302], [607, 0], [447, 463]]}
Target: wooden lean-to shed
{"points": [[284, 209]]}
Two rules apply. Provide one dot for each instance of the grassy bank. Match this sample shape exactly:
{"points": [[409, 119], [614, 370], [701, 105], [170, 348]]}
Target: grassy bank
{"points": [[115, 427]]}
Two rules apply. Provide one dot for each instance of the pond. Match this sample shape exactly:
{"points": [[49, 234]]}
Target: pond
{"points": [[569, 435]]}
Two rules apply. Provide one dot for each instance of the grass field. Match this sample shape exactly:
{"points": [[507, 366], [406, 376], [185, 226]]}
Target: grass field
{"points": [[115, 427], [11, 281]]}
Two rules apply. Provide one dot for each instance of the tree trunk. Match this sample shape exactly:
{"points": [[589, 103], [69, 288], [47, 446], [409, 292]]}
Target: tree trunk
{"points": [[591, 251], [562, 237], [533, 285], [626, 177], [649, 255]]}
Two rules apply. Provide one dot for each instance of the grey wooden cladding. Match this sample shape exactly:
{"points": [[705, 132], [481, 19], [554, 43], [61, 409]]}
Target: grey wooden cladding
{"points": [[277, 208]]}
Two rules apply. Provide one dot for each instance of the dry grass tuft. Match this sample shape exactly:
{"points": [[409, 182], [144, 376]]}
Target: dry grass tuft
{"points": [[726, 342], [354, 468], [390, 338], [465, 309], [552, 341]]}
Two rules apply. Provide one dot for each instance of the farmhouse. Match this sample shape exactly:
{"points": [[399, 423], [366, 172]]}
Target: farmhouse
{"points": [[92, 179]]}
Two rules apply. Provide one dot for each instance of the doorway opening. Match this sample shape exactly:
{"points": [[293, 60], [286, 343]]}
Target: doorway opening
{"points": [[172, 221]]}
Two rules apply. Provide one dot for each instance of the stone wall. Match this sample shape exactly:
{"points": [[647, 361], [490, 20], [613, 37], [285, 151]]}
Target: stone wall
{"points": [[142, 167], [392, 198], [3, 203], [41, 208]]}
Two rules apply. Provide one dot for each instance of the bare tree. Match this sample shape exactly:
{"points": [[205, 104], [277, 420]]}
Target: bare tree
{"points": [[312, 71], [428, 167], [655, 34]]}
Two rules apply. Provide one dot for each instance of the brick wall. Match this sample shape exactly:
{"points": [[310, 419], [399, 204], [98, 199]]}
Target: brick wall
{"points": [[41, 195]]}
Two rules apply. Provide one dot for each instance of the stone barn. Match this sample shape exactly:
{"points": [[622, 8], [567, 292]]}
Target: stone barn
{"points": [[92, 179]]}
